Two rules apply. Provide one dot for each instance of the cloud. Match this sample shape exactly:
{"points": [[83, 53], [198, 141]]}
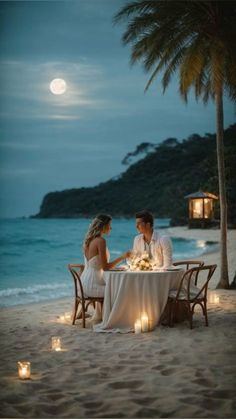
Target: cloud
{"points": [[18, 172], [26, 83]]}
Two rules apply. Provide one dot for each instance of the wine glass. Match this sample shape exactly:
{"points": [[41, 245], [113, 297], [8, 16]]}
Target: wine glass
{"points": [[154, 262], [129, 261]]}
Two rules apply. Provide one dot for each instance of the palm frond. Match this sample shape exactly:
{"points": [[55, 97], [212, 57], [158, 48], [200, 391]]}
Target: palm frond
{"points": [[192, 38], [134, 8]]}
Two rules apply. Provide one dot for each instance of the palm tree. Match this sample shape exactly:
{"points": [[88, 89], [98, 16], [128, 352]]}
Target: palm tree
{"points": [[195, 39]]}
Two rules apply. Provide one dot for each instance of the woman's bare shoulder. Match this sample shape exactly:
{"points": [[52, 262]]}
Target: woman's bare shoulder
{"points": [[99, 240]]}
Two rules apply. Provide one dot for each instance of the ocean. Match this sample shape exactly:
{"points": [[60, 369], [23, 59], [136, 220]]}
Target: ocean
{"points": [[34, 254]]}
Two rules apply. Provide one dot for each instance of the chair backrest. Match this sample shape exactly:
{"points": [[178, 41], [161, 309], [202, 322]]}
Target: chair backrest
{"points": [[76, 277], [190, 264], [188, 276]]}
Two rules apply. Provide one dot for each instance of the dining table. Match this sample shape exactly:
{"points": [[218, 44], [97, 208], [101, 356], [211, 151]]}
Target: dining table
{"points": [[130, 294]]}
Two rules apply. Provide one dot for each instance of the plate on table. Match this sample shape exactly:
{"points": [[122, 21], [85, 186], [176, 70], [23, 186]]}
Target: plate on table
{"points": [[118, 269]]}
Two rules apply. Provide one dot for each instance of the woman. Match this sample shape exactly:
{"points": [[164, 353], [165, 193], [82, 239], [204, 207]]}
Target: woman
{"points": [[96, 256]]}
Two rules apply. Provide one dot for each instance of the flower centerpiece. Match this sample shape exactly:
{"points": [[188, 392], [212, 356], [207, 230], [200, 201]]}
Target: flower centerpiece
{"points": [[140, 262]]}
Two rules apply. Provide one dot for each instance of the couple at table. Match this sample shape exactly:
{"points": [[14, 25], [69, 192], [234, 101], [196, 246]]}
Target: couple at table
{"points": [[96, 253]]}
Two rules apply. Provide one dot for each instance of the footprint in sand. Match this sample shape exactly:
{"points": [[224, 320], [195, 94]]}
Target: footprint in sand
{"points": [[168, 371], [146, 401], [123, 385], [93, 405], [148, 413], [158, 367], [164, 352], [204, 382]]}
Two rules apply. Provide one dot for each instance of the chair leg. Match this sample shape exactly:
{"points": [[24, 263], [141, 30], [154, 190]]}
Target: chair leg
{"points": [[171, 313], [83, 314], [75, 311], [190, 313], [205, 313]]}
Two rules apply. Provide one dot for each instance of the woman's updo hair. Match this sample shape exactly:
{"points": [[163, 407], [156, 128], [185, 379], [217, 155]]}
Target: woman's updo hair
{"points": [[95, 228]]}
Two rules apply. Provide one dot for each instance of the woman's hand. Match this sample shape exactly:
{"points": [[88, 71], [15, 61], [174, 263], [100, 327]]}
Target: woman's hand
{"points": [[127, 254]]}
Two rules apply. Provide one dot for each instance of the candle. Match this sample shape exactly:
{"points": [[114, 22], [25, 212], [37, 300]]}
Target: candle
{"points": [[144, 322], [137, 326], [151, 324], [62, 318], [67, 315], [56, 343], [214, 298], [24, 370]]}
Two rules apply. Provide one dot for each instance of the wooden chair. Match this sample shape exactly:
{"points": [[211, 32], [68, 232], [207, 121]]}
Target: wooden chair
{"points": [[191, 297], [80, 297], [188, 264]]}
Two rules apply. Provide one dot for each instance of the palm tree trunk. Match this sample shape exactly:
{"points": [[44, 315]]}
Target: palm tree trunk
{"points": [[224, 277]]}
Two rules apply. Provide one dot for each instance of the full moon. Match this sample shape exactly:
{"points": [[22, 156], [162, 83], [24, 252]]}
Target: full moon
{"points": [[58, 86]]}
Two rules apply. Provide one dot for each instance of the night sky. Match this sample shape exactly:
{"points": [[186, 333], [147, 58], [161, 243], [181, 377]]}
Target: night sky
{"points": [[53, 142]]}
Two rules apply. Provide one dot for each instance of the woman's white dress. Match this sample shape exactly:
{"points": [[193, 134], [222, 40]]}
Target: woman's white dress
{"points": [[92, 277]]}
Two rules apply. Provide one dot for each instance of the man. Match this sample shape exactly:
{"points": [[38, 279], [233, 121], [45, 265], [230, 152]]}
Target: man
{"points": [[158, 247]]}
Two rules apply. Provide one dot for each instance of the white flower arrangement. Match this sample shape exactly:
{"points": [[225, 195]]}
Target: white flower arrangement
{"points": [[140, 262]]}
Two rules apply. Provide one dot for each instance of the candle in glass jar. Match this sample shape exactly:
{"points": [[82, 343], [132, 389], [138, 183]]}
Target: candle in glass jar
{"points": [[56, 343], [144, 323], [151, 324], [216, 299], [23, 370], [67, 315], [137, 326]]}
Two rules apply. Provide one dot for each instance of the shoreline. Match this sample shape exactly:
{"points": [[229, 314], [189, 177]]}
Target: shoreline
{"points": [[213, 257], [210, 256]]}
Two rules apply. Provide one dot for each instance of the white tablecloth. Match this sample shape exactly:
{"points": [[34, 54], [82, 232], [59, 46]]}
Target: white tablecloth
{"points": [[129, 294]]}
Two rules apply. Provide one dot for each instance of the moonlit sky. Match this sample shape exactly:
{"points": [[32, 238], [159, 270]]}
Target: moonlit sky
{"points": [[54, 142]]}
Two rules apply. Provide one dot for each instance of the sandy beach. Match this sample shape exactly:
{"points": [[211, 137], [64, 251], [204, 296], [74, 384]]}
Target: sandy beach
{"points": [[169, 372]]}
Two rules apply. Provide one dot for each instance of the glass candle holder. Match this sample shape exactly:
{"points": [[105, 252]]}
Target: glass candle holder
{"points": [[24, 370], [56, 343], [144, 322], [67, 316], [214, 298], [138, 326], [151, 324]]}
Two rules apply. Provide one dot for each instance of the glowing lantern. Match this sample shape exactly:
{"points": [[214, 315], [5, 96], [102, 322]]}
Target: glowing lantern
{"points": [[201, 208]]}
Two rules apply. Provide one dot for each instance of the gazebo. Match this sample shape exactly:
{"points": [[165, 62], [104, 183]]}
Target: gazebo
{"points": [[201, 209]]}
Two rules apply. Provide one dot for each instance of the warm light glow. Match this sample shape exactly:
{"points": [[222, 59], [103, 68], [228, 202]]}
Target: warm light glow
{"points": [[201, 243], [144, 322], [67, 315], [201, 208], [56, 343], [214, 298], [197, 208], [208, 208], [138, 326], [151, 324], [23, 370], [58, 86]]}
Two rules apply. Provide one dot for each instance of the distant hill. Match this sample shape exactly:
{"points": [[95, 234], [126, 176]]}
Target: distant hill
{"points": [[157, 182]]}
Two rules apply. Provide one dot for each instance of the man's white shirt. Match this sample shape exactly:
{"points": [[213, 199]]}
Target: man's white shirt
{"points": [[159, 248]]}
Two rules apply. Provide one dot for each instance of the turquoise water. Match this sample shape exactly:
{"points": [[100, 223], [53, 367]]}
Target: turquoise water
{"points": [[34, 255]]}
